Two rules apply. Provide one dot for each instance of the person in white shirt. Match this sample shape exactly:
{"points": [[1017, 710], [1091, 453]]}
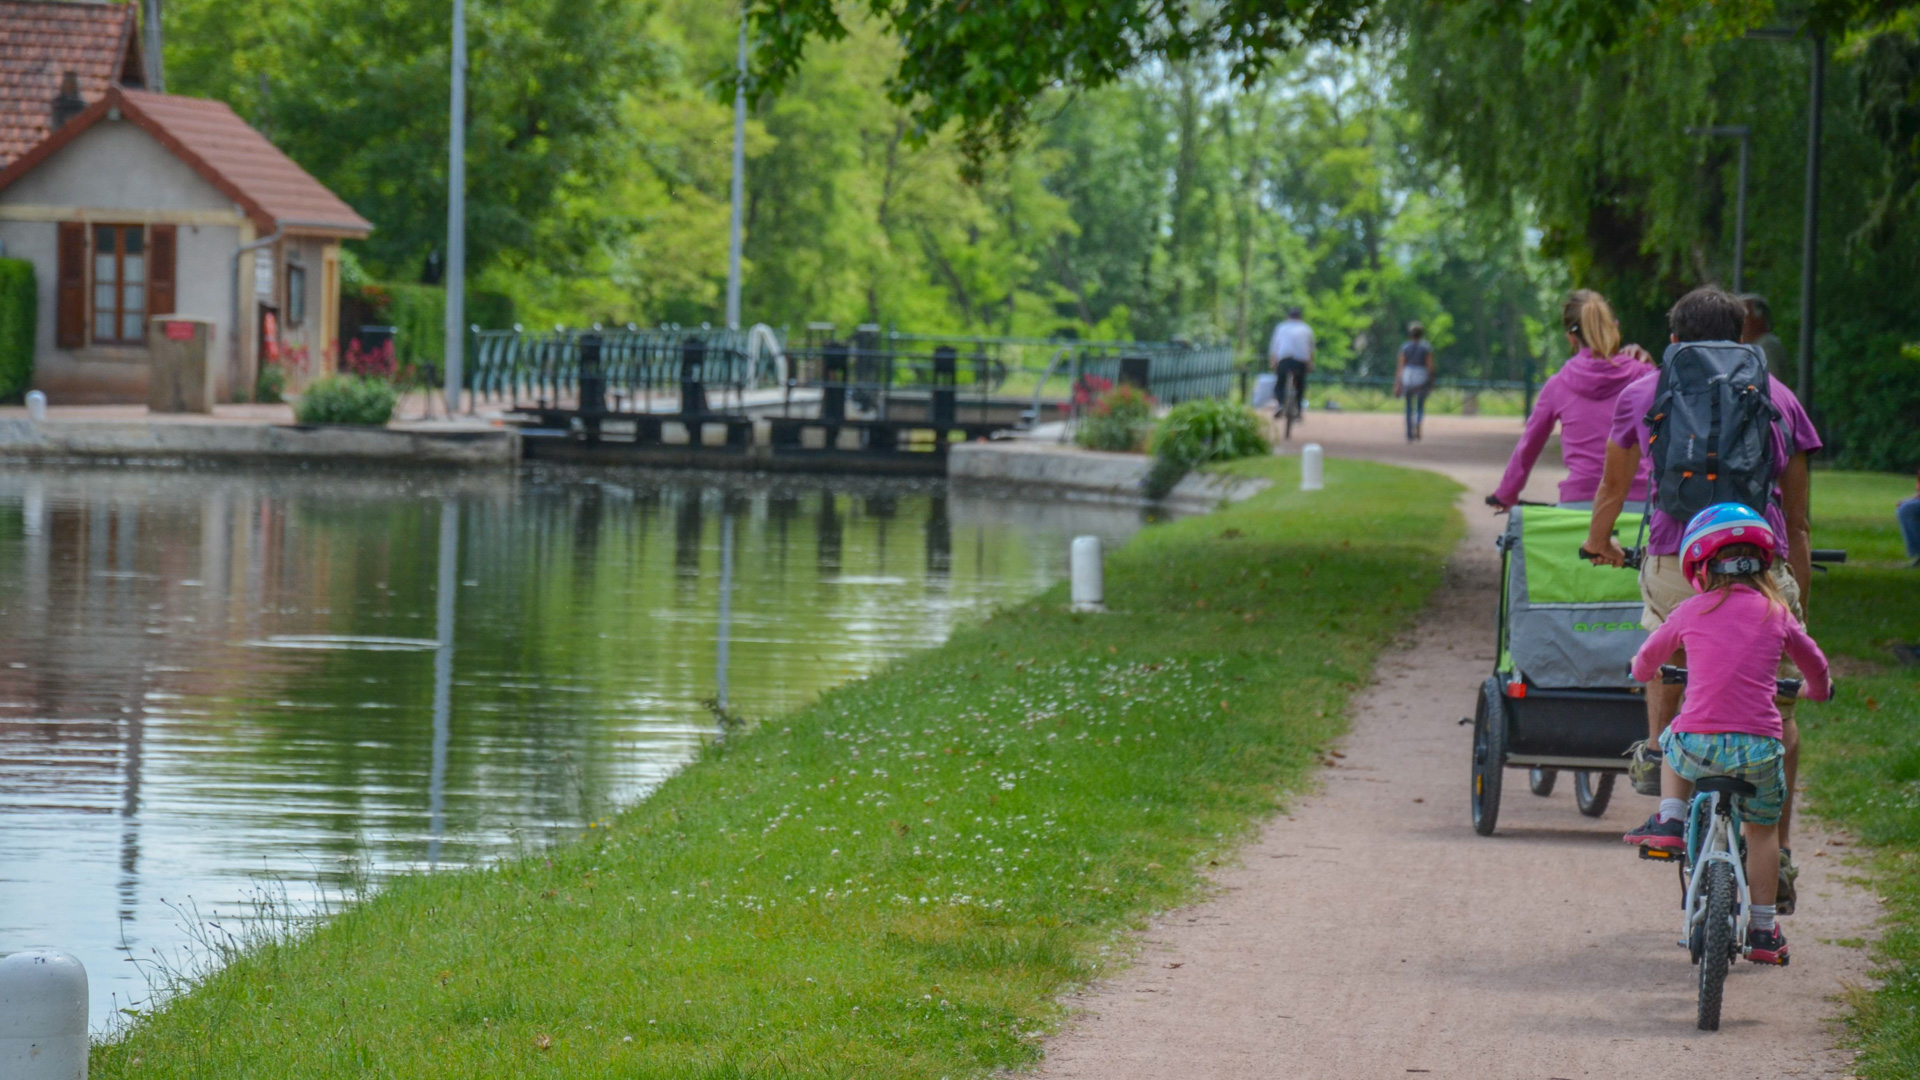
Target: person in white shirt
{"points": [[1291, 354]]}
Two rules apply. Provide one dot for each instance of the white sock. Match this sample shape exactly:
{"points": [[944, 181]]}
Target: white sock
{"points": [[1762, 916], [1672, 809]]}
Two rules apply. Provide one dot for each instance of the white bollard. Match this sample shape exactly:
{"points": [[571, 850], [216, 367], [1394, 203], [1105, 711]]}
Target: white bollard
{"points": [[1312, 476], [43, 1016], [36, 406], [1089, 575]]}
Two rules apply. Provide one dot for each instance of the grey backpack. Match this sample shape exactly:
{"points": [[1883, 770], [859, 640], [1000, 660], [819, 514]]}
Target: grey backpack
{"points": [[1711, 428]]}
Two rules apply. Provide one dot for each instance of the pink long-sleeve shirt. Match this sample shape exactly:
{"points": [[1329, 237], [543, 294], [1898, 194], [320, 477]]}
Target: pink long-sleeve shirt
{"points": [[1580, 398], [1734, 642]]}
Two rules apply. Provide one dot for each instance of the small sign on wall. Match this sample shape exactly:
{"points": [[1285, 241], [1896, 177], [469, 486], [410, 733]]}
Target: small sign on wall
{"points": [[178, 331], [263, 275]]}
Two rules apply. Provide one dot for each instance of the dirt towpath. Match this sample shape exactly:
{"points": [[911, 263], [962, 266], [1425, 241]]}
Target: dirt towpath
{"points": [[1369, 933]]}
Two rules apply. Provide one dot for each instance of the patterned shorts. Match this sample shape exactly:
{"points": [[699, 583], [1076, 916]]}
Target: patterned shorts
{"points": [[1753, 758]]}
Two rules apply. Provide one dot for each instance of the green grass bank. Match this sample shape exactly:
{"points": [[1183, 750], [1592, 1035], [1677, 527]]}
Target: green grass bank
{"points": [[1861, 752], [897, 881]]}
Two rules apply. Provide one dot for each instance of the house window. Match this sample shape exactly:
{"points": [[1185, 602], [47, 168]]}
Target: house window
{"points": [[296, 294], [119, 284]]}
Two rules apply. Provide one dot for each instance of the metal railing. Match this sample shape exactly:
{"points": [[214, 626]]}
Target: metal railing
{"points": [[519, 369]]}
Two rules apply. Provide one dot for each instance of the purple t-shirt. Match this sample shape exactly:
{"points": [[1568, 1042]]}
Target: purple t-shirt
{"points": [[1630, 431]]}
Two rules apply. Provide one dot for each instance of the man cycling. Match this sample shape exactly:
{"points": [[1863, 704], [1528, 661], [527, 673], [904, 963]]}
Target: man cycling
{"points": [[1291, 354]]}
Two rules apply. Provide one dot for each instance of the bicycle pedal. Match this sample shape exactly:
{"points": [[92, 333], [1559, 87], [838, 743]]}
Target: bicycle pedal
{"points": [[1657, 854]]}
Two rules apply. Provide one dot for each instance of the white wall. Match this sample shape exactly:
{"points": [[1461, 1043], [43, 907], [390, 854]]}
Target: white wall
{"points": [[117, 173]]}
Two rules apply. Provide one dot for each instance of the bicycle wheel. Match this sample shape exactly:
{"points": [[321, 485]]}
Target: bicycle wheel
{"points": [[1291, 409], [1489, 755], [1540, 781], [1716, 943], [1592, 792]]}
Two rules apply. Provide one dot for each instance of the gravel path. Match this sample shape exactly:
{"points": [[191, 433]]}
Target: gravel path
{"points": [[1369, 933]]}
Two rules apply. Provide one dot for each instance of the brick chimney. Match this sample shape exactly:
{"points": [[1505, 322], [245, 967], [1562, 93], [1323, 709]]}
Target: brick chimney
{"points": [[68, 103]]}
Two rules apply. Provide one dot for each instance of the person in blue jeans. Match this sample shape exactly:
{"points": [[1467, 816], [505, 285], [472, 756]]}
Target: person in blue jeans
{"points": [[1910, 523], [1413, 377]]}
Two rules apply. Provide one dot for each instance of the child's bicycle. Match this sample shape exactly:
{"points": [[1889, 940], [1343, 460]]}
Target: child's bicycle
{"points": [[1713, 875]]}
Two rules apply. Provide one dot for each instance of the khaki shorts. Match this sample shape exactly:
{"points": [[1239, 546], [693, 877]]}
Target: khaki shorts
{"points": [[1664, 587]]}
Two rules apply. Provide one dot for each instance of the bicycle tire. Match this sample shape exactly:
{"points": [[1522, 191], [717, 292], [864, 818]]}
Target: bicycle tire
{"points": [[1292, 410], [1716, 944], [1540, 780], [1592, 792], [1489, 755]]}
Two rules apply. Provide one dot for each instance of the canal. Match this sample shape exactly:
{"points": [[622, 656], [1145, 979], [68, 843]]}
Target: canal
{"points": [[222, 687]]}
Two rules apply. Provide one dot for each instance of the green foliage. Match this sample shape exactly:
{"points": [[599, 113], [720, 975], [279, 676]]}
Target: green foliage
{"points": [[988, 65], [744, 913], [347, 399], [356, 91], [1118, 418], [1196, 433], [1862, 763], [19, 313], [271, 384]]}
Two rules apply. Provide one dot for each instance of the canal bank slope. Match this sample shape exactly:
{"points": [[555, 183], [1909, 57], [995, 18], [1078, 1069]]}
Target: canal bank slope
{"points": [[899, 880], [1370, 933]]}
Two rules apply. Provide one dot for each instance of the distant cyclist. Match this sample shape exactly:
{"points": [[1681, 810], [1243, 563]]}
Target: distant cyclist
{"points": [[1580, 398], [1291, 353]]}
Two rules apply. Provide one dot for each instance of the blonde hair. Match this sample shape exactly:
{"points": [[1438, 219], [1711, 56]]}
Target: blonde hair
{"points": [[1723, 584], [1587, 316]]}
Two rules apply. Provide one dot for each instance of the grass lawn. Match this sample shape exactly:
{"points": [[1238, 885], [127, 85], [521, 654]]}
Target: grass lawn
{"points": [[1862, 751], [896, 881]]}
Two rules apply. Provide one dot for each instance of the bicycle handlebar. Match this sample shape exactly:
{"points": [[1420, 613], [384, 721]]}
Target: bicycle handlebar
{"points": [[1673, 675], [1631, 562]]}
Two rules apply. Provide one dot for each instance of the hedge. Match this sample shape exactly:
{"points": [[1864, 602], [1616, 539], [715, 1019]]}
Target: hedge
{"points": [[19, 309]]}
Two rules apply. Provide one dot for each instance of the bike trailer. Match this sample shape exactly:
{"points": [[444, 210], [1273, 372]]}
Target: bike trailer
{"points": [[1560, 696]]}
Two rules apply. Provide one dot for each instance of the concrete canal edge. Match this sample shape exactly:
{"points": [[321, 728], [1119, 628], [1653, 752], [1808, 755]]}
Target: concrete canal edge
{"points": [[173, 440], [1088, 474]]}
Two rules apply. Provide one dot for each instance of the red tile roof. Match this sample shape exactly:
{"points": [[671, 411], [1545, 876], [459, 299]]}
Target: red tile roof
{"points": [[39, 43], [276, 193]]}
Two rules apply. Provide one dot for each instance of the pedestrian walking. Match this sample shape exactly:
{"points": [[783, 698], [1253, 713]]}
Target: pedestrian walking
{"points": [[1413, 377], [1909, 514]]}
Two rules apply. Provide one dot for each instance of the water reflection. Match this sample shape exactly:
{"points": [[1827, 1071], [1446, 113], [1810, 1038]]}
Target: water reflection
{"points": [[214, 677]]}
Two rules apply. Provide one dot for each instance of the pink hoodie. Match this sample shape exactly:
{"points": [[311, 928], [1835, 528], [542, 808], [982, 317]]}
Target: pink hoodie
{"points": [[1580, 398]]}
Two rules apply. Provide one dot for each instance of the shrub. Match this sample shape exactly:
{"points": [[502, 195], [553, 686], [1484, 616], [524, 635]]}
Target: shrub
{"points": [[19, 309], [271, 384], [1197, 432], [347, 399], [1113, 418]]}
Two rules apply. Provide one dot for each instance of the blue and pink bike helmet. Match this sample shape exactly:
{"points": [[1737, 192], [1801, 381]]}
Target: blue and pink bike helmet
{"points": [[1720, 526]]}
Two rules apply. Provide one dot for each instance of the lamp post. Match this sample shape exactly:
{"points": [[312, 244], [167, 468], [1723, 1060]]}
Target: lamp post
{"points": [[456, 343], [1810, 209], [1745, 135], [739, 181]]}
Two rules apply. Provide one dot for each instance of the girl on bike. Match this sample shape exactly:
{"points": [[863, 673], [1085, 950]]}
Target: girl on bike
{"points": [[1413, 377], [1579, 397], [1730, 637]]}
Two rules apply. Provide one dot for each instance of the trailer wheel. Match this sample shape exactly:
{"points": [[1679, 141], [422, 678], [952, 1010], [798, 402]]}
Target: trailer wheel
{"points": [[1592, 792], [1489, 755], [1540, 780]]}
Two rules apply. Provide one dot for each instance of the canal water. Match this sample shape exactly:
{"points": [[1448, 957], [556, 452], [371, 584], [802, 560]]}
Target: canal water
{"points": [[218, 688]]}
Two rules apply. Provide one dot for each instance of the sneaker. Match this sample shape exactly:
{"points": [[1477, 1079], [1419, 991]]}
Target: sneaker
{"points": [[1671, 835], [1767, 946], [1783, 901], [1643, 770]]}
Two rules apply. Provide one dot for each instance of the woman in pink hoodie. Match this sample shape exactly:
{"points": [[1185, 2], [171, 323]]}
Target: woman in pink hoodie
{"points": [[1579, 397]]}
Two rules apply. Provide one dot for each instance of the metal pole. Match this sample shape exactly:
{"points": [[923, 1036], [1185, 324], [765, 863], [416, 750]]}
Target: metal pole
{"points": [[739, 182], [1740, 216], [457, 213], [1810, 227], [156, 68], [726, 607]]}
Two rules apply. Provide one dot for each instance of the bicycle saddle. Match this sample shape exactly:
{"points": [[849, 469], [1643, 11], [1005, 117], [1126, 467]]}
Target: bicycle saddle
{"points": [[1726, 785]]}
